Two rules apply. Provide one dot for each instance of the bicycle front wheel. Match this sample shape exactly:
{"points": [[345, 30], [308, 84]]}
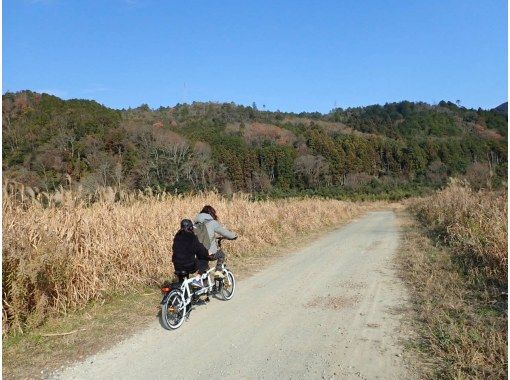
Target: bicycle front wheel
{"points": [[173, 310], [229, 286]]}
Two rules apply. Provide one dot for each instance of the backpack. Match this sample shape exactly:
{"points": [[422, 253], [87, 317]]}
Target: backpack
{"points": [[202, 234]]}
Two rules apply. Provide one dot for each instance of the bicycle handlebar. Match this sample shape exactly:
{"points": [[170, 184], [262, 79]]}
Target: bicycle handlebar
{"points": [[220, 238]]}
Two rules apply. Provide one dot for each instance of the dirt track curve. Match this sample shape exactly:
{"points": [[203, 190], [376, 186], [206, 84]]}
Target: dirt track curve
{"points": [[329, 310]]}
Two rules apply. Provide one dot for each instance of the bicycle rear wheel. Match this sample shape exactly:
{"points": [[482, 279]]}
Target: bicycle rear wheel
{"points": [[173, 310]]}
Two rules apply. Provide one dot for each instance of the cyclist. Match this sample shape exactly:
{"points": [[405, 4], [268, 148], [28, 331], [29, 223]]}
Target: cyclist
{"points": [[209, 217], [189, 255]]}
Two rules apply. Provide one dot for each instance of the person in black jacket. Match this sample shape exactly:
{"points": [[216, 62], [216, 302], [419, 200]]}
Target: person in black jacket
{"points": [[189, 254]]}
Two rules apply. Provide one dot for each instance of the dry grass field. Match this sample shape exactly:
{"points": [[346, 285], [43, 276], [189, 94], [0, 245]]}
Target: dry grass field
{"points": [[56, 258], [458, 288], [61, 252], [474, 224]]}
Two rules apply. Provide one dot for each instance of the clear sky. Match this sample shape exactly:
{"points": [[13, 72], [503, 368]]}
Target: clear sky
{"points": [[288, 55]]}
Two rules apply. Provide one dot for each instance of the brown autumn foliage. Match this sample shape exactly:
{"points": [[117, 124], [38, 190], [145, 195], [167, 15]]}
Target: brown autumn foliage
{"points": [[479, 176], [61, 252], [488, 134], [258, 132]]}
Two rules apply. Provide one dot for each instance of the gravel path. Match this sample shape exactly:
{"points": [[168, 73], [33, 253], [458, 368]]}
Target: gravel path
{"points": [[329, 310]]}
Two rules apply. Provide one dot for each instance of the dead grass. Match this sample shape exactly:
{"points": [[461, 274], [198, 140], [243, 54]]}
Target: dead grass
{"points": [[460, 329], [104, 322], [474, 224], [57, 259]]}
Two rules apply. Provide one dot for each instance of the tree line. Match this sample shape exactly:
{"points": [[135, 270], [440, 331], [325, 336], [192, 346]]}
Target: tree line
{"points": [[382, 149]]}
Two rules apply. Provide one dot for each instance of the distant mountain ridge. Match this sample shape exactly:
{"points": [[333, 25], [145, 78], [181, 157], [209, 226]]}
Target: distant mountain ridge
{"points": [[379, 149], [502, 108]]}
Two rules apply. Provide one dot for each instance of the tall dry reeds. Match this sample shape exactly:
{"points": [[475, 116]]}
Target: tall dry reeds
{"points": [[459, 289], [57, 258], [459, 331], [474, 224]]}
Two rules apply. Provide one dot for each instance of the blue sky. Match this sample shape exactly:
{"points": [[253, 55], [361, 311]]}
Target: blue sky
{"points": [[288, 55]]}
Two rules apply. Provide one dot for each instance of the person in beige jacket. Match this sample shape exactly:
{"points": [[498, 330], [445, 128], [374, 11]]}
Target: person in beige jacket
{"points": [[209, 217]]}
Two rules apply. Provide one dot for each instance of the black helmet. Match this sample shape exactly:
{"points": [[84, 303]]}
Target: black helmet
{"points": [[187, 225]]}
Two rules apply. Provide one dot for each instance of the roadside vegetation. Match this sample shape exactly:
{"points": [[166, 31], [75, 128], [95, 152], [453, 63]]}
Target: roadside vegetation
{"points": [[59, 254], [456, 267]]}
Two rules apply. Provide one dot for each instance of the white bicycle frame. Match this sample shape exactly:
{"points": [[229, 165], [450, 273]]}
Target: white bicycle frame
{"points": [[186, 288]]}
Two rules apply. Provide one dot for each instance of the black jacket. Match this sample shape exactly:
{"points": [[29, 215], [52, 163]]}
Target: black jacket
{"points": [[187, 249]]}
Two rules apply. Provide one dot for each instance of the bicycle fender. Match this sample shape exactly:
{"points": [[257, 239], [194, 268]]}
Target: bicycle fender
{"points": [[165, 298]]}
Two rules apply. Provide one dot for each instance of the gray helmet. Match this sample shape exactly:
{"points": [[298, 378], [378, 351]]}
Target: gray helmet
{"points": [[187, 225]]}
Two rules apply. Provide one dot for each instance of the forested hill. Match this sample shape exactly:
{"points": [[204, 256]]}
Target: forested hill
{"points": [[502, 108], [398, 148]]}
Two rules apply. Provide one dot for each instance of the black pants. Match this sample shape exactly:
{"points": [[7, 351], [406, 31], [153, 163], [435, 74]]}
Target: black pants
{"points": [[203, 265], [220, 256], [190, 269]]}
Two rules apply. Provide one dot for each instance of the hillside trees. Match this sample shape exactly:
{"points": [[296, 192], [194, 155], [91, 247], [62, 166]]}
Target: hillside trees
{"points": [[49, 142], [312, 171], [326, 148], [276, 163]]}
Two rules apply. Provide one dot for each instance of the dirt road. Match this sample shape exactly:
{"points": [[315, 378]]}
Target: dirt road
{"points": [[330, 310]]}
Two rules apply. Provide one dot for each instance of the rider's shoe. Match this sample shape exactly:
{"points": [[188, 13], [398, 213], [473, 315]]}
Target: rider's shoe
{"points": [[197, 283], [219, 274]]}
